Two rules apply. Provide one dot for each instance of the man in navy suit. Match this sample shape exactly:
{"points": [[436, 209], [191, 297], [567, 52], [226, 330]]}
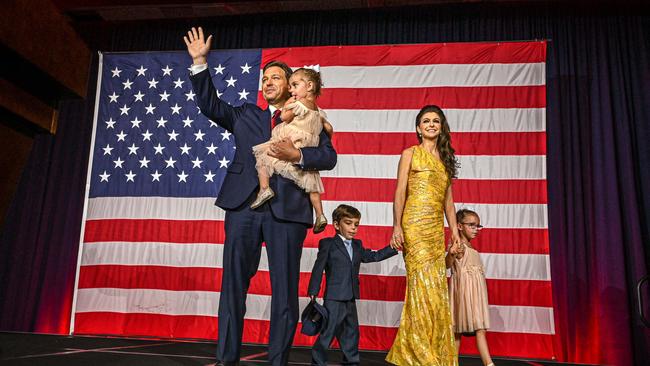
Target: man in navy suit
{"points": [[282, 223], [340, 257]]}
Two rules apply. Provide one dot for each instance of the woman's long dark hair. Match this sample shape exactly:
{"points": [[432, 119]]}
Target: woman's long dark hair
{"points": [[444, 140]]}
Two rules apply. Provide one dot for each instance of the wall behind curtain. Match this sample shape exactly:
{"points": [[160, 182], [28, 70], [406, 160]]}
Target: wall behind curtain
{"points": [[598, 127]]}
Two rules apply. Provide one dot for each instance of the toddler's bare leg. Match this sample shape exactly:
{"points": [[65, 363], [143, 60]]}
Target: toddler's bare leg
{"points": [[481, 344], [321, 220], [314, 197], [263, 178]]}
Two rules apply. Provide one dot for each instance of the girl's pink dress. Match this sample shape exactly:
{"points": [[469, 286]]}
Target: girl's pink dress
{"points": [[468, 293]]}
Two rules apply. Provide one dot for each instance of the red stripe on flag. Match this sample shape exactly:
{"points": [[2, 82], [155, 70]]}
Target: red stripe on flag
{"points": [[519, 241], [519, 293], [372, 287], [525, 345], [510, 241], [500, 191], [150, 277], [148, 325], [446, 96], [465, 143], [359, 189], [256, 331], [499, 143], [152, 230], [507, 241], [465, 190], [414, 54]]}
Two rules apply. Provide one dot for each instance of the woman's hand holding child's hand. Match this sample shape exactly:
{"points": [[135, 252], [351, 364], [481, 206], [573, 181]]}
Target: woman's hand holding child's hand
{"points": [[397, 240]]}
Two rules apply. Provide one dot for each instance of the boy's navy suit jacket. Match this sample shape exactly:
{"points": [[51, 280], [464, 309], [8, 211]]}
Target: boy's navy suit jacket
{"points": [[341, 273]]}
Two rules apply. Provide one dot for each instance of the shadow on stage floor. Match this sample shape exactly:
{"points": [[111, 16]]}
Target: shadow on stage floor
{"points": [[39, 349]]}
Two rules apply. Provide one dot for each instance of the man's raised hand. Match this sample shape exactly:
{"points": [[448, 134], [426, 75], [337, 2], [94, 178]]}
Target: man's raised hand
{"points": [[197, 46]]}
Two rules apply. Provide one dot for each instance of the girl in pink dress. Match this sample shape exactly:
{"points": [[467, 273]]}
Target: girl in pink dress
{"points": [[303, 121], [467, 288]]}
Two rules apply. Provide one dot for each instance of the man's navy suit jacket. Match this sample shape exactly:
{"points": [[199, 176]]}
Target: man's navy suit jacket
{"points": [[251, 125], [341, 273]]}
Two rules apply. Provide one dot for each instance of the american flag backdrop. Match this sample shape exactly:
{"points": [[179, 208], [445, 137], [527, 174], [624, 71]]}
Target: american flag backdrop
{"points": [[151, 245]]}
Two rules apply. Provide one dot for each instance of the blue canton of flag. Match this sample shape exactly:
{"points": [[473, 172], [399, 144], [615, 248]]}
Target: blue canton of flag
{"points": [[150, 138]]}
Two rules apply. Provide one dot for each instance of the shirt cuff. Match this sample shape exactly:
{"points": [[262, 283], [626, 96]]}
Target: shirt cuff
{"points": [[195, 69], [301, 162]]}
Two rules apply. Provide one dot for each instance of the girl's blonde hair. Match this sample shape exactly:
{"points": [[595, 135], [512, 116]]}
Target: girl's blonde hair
{"points": [[313, 76]]}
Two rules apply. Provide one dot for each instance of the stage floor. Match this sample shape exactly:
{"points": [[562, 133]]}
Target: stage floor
{"points": [[39, 349]]}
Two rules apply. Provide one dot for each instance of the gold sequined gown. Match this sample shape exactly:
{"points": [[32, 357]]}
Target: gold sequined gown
{"points": [[425, 336]]}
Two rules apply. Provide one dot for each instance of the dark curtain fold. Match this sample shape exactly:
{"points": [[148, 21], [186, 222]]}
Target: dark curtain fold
{"points": [[598, 163], [40, 238], [597, 137]]}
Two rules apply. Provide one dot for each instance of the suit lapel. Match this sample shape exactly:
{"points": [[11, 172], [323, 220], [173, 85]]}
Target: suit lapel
{"points": [[341, 246], [266, 129]]}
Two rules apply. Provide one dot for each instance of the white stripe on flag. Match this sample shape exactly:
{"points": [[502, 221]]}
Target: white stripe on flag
{"points": [[161, 208], [500, 215], [517, 266], [521, 319], [148, 301], [471, 167], [497, 266], [460, 120], [437, 75], [526, 319], [153, 254]]}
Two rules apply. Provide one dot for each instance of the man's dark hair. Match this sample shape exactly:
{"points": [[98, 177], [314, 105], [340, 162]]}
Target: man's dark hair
{"points": [[280, 64], [344, 211]]}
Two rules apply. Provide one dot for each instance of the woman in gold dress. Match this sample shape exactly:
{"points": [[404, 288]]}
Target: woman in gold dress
{"points": [[422, 198]]}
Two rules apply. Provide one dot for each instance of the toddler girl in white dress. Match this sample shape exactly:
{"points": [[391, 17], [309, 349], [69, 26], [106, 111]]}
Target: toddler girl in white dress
{"points": [[303, 122]]}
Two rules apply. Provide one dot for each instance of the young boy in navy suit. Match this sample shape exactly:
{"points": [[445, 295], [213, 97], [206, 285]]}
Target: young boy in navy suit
{"points": [[340, 256]]}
